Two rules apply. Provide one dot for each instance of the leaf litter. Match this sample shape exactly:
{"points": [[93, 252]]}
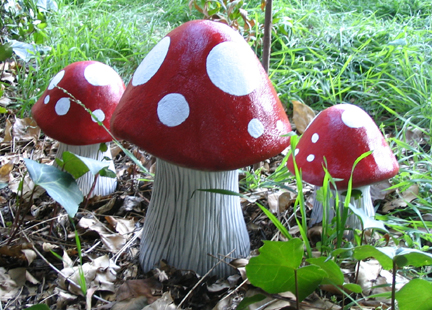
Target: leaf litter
{"points": [[40, 263]]}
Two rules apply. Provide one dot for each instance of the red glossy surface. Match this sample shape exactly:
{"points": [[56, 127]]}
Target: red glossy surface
{"points": [[214, 135], [76, 126], [341, 145]]}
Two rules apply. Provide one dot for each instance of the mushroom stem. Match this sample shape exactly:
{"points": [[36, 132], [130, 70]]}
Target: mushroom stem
{"points": [[184, 225], [364, 202], [104, 185]]}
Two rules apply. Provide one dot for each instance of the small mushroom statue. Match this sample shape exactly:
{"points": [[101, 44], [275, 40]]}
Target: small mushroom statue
{"points": [[201, 103], [99, 88], [341, 134]]}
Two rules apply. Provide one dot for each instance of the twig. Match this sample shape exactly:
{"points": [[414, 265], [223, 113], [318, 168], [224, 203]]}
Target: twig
{"points": [[236, 289], [267, 35], [56, 269], [203, 277]]}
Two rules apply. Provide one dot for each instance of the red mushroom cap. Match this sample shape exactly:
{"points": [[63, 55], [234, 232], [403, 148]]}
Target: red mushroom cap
{"points": [[341, 134], [201, 99], [93, 83]]}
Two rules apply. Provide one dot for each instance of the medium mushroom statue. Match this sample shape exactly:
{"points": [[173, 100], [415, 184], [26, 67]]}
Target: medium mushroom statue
{"points": [[99, 88], [201, 103], [335, 139]]}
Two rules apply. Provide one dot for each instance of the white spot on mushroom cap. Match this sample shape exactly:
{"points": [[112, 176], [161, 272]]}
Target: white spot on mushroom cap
{"points": [[56, 79], [310, 157], [255, 128], [151, 63], [99, 74], [315, 138], [296, 152], [173, 109], [62, 106], [233, 68], [355, 118], [280, 126], [99, 114], [47, 99]]}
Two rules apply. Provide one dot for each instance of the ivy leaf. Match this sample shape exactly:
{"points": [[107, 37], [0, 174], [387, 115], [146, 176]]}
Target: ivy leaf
{"points": [[367, 221], [416, 294], [79, 165], [38, 307], [386, 255], [61, 186], [277, 266]]}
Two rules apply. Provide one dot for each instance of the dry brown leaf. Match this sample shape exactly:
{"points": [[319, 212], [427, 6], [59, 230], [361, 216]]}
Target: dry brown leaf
{"points": [[30, 255], [121, 225], [100, 273], [25, 129], [112, 241], [5, 171], [165, 302], [148, 288], [31, 279], [406, 196], [379, 190], [11, 282], [8, 131], [302, 115]]}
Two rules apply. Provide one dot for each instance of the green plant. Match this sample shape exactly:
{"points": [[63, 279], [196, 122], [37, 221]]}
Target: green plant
{"points": [[392, 258]]}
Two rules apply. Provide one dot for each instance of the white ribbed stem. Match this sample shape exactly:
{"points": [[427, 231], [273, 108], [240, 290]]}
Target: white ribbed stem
{"points": [[104, 186], [183, 225], [365, 203]]}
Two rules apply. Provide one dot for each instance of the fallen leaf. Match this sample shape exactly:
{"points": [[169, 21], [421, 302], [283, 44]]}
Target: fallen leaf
{"points": [[11, 282], [25, 129], [100, 274], [29, 254], [5, 171], [148, 288], [121, 225], [279, 201], [113, 241], [302, 115], [165, 302], [406, 196], [8, 131]]}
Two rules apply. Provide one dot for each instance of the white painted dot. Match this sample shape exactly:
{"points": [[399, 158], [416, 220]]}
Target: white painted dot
{"points": [[151, 63], [255, 128], [173, 109], [233, 68], [99, 74], [315, 138], [280, 126], [355, 117], [62, 106], [58, 77], [296, 152], [310, 157], [99, 114], [47, 99]]}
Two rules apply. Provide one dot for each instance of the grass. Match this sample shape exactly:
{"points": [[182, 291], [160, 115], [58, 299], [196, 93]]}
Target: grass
{"points": [[374, 54]]}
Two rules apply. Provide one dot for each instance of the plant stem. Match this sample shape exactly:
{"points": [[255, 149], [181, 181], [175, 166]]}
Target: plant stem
{"points": [[267, 35], [394, 286], [297, 290]]}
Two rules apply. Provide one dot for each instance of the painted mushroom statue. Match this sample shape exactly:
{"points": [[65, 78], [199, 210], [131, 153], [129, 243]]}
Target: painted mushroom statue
{"points": [[341, 134], [99, 88], [205, 107]]}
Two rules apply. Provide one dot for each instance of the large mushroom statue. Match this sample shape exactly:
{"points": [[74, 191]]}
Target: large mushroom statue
{"points": [[334, 140], [99, 88], [201, 103]]}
